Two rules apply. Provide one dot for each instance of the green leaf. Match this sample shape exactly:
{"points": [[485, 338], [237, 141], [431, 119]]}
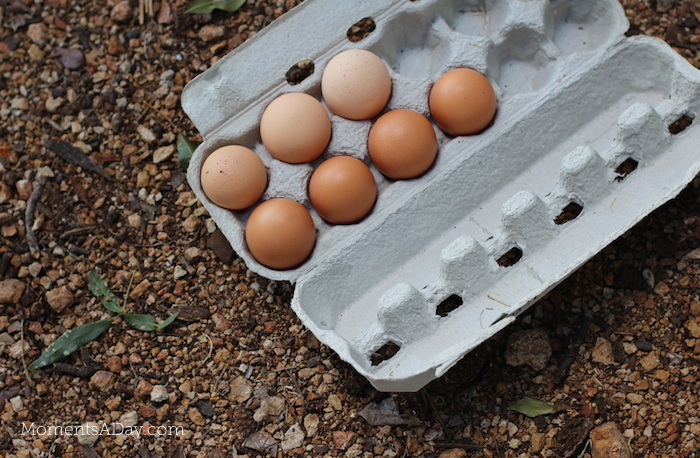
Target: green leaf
{"points": [[532, 407], [185, 148], [100, 289], [141, 321], [207, 6], [70, 341], [167, 322]]}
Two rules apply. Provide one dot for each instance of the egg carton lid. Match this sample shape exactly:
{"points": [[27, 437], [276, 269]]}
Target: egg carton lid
{"points": [[451, 258]]}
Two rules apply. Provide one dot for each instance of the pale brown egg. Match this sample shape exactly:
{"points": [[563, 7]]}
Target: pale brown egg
{"points": [[342, 190], [462, 102], [280, 233], [295, 128], [356, 84], [233, 177], [402, 144]]}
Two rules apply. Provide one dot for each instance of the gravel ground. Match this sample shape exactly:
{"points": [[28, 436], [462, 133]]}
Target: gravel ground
{"points": [[237, 374]]}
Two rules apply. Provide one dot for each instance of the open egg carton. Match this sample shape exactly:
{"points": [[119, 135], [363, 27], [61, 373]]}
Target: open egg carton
{"points": [[585, 143]]}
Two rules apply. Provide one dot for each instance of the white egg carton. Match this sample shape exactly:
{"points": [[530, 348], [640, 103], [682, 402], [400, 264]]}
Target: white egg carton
{"points": [[576, 100]]}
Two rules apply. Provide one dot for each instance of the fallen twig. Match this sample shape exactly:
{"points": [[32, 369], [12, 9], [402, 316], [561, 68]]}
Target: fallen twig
{"points": [[29, 213]]}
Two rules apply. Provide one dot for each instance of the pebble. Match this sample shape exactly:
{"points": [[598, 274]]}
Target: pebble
{"points": [[37, 33], [10, 291], [60, 298], [143, 389], [191, 223], [293, 438], [163, 153], [121, 11], [311, 422], [24, 189], [103, 380], [271, 408], [531, 347], [650, 362], [196, 416], [240, 390], [159, 393], [17, 403], [335, 402], [179, 272], [88, 433], [193, 253], [19, 348], [129, 419], [343, 439], [210, 32], [453, 453], [603, 351], [146, 134], [114, 364], [608, 442]]}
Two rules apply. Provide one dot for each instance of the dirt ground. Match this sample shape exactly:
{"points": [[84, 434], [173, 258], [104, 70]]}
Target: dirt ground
{"points": [[237, 374]]}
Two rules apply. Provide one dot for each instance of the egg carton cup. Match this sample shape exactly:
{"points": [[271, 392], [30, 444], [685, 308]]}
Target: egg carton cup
{"points": [[445, 261]]}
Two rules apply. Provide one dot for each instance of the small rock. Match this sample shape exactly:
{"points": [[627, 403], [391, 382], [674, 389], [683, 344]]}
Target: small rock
{"points": [[650, 362], [343, 439], [88, 433], [37, 33], [262, 442], [694, 327], [453, 453], [271, 409], [311, 422], [114, 364], [210, 32], [603, 351], [537, 442], [10, 291], [335, 403], [34, 269], [196, 416], [293, 438], [179, 272], [163, 153], [643, 344], [143, 389], [531, 347], [103, 380], [16, 403], [18, 349], [608, 442], [193, 253], [159, 393], [71, 58], [24, 189], [129, 419], [19, 103], [635, 398], [629, 347], [60, 298], [240, 390], [6, 339], [134, 220], [121, 11], [146, 134], [191, 223], [206, 408], [433, 434]]}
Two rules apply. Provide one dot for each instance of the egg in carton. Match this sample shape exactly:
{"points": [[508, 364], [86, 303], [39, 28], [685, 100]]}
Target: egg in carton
{"points": [[580, 151]]}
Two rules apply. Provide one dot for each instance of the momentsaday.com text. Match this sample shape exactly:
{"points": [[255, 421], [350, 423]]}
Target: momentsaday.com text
{"points": [[94, 429]]}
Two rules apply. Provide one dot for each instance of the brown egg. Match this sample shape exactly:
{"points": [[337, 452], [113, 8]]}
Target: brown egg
{"points": [[342, 190], [356, 84], [233, 177], [280, 233], [295, 128], [402, 144], [462, 102]]}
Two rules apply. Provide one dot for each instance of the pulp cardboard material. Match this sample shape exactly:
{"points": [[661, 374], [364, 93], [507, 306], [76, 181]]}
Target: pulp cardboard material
{"points": [[576, 101]]}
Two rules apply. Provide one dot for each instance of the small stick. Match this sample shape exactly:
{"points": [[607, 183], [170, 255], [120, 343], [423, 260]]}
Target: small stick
{"points": [[24, 362], [29, 213]]}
